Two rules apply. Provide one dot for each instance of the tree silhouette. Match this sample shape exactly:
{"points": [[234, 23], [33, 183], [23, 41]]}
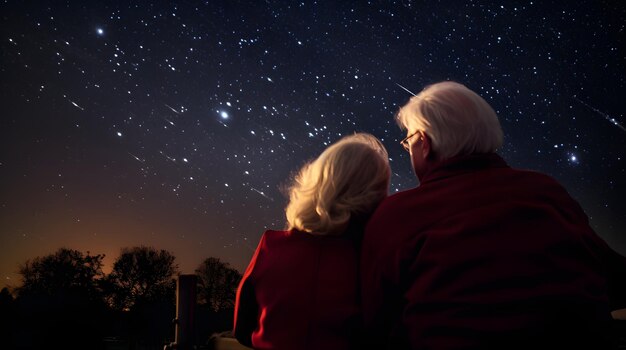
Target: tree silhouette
{"points": [[60, 293], [66, 271], [141, 275], [217, 284]]}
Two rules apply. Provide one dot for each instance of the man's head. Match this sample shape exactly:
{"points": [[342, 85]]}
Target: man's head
{"points": [[445, 120]]}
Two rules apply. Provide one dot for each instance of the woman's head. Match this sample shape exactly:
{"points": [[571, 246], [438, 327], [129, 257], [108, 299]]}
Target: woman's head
{"points": [[350, 178]]}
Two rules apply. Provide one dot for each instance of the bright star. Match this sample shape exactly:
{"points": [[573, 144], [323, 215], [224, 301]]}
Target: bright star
{"points": [[100, 31]]}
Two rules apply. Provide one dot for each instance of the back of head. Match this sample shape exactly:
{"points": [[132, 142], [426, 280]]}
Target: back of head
{"points": [[350, 178], [455, 118]]}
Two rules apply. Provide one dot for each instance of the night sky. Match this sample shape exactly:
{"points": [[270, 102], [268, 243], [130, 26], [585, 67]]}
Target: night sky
{"points": [[178, 124]]}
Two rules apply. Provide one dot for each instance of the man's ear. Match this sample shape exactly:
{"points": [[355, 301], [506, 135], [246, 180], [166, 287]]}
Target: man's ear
{"points": [[427, 150]]}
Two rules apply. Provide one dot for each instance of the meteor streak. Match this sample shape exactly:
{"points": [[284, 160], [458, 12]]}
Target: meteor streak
{"points": [[405, 89], [604, 115], [261, 193], [137, 158], [77, 106], [173, 110], [168, 157]]}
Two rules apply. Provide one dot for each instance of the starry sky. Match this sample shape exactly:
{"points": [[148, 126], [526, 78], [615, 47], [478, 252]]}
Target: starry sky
{"points": [[178, 124]]}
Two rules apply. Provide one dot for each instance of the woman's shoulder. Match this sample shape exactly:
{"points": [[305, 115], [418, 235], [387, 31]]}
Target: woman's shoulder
{"points": [[281, 234], [274, 237], [293, 237]]}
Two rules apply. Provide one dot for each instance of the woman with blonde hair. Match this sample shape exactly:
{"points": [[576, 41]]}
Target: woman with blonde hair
{"points": [[300, 290]]}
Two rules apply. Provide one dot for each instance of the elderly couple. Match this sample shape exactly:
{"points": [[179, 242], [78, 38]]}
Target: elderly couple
{"points": [[478, 256]]}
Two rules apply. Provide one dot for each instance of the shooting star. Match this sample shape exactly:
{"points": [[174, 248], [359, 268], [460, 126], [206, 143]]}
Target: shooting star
{"points": [[169, 121], [168, 157], [173, 110], [76, 105], [405, 89], [261, 193], [606, 116], [137, 158]]}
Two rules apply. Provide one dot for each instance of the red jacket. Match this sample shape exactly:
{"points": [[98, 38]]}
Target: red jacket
{"points": [[300, 292], [484, 256]]}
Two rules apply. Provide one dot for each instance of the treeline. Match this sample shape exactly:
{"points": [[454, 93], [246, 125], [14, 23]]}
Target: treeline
{"points": [[67, 301]]}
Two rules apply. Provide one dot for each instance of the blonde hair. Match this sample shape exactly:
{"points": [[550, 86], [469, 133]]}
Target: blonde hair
{"points": [[455, 118], [351, 177]]}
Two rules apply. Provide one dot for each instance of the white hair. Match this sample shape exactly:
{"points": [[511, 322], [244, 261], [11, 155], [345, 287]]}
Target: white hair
{"points": [[455, 118], [350, 178]]}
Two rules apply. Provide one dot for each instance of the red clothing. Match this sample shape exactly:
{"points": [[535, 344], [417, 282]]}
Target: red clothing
{"points": [[300, 292], [484, 256]]}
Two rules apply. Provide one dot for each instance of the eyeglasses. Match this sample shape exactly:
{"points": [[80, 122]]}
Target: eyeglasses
{"points": [[405, 141]]}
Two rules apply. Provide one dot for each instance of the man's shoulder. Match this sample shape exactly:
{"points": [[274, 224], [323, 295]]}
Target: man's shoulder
{"points": [[396, 200], [395, 211], [536, 181], [531, 174], [395, 224]]}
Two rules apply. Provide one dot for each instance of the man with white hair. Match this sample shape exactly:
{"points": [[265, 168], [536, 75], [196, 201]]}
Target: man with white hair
{"points": [[481, 255]]}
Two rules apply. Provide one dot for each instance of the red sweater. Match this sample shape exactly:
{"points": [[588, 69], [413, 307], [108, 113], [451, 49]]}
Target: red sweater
{"points": [[484, 256], [300, 292]]}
